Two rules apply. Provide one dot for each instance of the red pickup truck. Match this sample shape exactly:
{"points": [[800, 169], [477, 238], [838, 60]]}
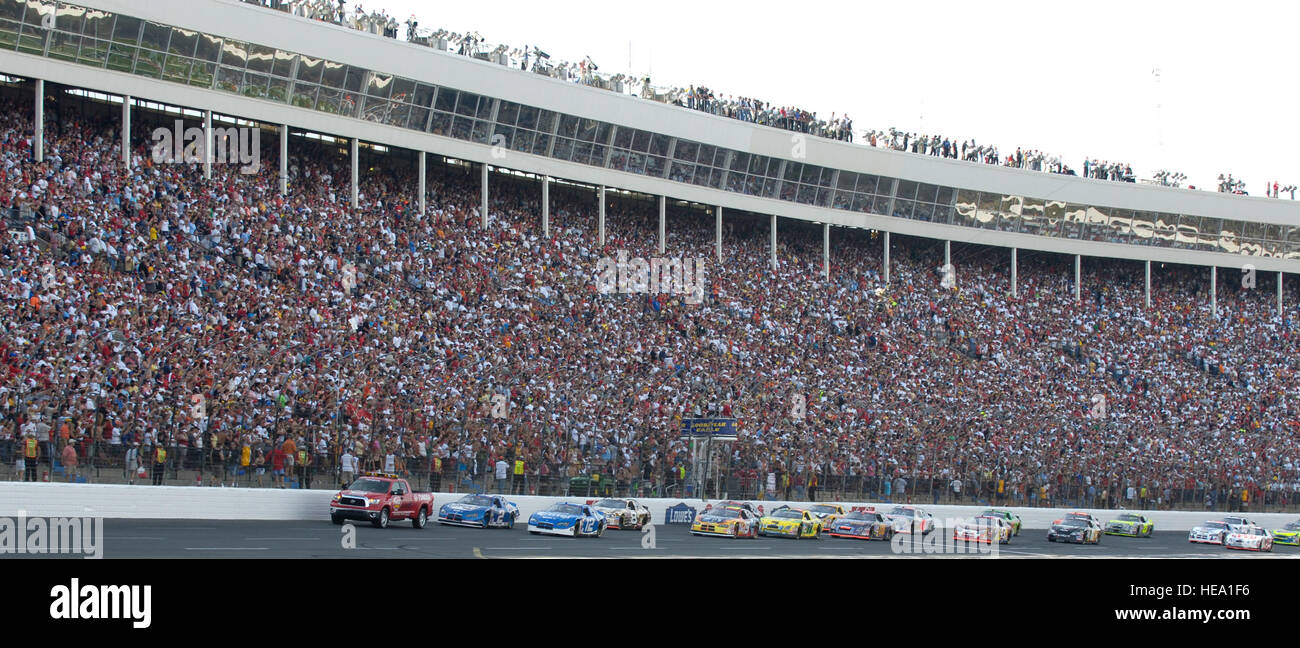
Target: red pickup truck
{"points": [[380, 499]]}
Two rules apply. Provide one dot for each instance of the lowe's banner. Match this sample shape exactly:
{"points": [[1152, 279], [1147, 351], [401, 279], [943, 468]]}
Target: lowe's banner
{"points": [[709, 427]]}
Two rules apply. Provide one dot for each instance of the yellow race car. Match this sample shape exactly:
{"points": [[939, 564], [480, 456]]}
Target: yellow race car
{"points": [[790, 523], [728, 522]]}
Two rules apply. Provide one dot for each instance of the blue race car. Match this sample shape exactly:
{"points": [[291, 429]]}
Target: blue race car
{"points": [[568, 519], [480, 511]]}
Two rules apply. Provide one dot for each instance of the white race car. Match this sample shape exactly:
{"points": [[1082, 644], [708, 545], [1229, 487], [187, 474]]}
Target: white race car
{"points": [[906, 518], [623, 513], [986, 529], [1212, 532], [1250, 538]]}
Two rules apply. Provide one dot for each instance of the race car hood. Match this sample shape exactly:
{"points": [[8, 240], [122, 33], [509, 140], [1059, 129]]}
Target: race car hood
{"points": [[714, 519], [554, 517]]}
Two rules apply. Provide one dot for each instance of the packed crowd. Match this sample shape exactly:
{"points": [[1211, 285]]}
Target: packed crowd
{"points": [[241, 330]]}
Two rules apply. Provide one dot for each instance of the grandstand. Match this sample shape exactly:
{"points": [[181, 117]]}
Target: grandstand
{"points": [[421, 235]]}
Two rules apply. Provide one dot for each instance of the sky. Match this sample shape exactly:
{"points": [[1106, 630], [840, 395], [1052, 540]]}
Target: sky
{"points": [[1193, 87]]}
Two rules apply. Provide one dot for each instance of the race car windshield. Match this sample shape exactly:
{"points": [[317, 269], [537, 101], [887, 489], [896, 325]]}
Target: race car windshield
{"points": [[611, 503], [368, 485], [898, 510], [726, 513], [476, 500], [1129, 518], [787, 515], [1073, 522], [991, 513], [566, 508], [1215, 525], [823, 509], [1292, 526], [858, 515]]}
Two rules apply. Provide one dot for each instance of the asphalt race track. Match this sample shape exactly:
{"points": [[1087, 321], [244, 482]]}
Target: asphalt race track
{"points": [[134, 538]]}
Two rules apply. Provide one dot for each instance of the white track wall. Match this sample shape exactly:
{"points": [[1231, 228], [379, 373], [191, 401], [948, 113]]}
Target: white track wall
{"points": [[189, 502]]}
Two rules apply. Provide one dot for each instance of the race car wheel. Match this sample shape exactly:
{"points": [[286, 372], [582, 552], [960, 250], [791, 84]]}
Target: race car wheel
{"points": [[600, 530], [382, 520], [511, 525], [421, 519], [735, 532]]}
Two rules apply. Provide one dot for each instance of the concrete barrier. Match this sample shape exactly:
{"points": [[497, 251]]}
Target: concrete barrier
{"points": [[207, 503]]}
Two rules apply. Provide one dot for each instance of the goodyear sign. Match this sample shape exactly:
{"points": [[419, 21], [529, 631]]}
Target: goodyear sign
{"points": [[679, 514], [708, 427]]}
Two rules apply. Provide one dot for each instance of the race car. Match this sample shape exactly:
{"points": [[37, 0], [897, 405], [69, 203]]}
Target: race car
{"points": [[1132, 525], [1010, 517], [379, 498], [1249, 537], [729, 522], [1212, 532], [566, 518], [623, 513], [907, 518], [985, 528], [1075, 529], [791, 523], [1079, 515], [827, 513], [480, 511], [862, 525], [1288, 535]]}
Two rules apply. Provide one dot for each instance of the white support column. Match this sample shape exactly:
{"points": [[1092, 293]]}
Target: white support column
{"points": [[546, 206], [947, 253], [38, 126], [1013, 273], [424, 197], [663, 209], [1148, 300], [356, 172], [1214, 290], [717, 240], [1078, 276], [826, 250], [126, 131], [1279, 293], [207, 144], [484, 209], [772, 243], [886, 264], [600, 220], [284, 159]]}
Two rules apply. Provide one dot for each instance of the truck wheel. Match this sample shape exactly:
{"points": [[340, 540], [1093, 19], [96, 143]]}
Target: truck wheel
{"points": [[420, 520], [382, 520], [336, 519]]}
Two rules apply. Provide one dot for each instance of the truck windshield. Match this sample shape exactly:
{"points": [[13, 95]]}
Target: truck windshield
{"points": [[368, 485]]}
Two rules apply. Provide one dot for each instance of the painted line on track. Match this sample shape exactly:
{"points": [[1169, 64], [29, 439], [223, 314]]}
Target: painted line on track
{"points": [[227, 548]]}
